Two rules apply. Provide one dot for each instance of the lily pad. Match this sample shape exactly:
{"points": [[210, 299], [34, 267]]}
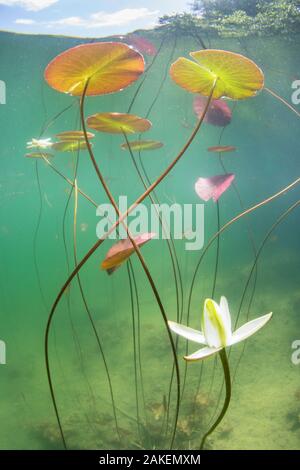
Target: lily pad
{"points": [[69, 145], [222, 149], [108, 66], [237, 76], [74, 135], [39, 155], [141, 145], [214, 187], [121, 251], [117, 123], [218, 113], [143, 45]]}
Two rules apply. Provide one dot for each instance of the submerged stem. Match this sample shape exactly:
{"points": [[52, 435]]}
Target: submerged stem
{"points": [[283, 101], [226, 369]]}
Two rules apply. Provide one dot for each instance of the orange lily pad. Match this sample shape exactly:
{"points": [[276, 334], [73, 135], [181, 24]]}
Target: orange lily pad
{"points": [[222, 149], [141, 145], [107, 66], [122, 250], [117, 123], [74, 135], [69, 145], [39, 155], [236, 76]]}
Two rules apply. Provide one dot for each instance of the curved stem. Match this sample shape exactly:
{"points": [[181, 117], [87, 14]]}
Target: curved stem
{"points": [[283, 101], [60, 113], [70, 182], [226, 370]]}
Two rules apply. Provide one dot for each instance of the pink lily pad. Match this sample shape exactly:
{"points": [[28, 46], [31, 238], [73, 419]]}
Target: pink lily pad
{"points": [[214, 187], [122, 250], [143, 45], [218, 114]]}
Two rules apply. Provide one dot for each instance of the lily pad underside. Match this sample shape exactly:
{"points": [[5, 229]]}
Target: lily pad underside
{"points": [[108, 67], [236, 77], [118, 123]]}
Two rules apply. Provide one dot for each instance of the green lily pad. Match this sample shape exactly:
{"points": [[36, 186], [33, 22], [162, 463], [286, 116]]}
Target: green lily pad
{"points": [[141, 145], [69, 145], [236, 76], [74, 135], [117, 123], [39, 155]]}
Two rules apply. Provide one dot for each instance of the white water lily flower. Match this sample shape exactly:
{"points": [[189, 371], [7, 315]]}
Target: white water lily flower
{"points": [[39, 143], [216, 331]]}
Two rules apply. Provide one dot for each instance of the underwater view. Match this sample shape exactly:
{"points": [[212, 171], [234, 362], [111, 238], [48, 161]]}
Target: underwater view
{"points": [[150, 235]]}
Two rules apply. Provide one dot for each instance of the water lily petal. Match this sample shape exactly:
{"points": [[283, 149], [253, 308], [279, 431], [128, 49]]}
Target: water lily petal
{"points": [[202, 354], [213, 325], [226, 316], [187, 332], [249, 328]]}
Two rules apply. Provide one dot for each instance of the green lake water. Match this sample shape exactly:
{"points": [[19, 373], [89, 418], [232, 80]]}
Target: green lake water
{"points": [[265, 407]]}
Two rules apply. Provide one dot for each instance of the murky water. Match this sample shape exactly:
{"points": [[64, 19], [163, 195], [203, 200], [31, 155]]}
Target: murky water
{"points": [[37, 208]]}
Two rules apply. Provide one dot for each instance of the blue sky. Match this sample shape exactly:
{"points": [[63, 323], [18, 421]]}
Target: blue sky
{"points": [[84, 17]]}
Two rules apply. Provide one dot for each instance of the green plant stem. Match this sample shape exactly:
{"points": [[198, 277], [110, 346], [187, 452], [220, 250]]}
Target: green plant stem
{"points": [[226, 370]]}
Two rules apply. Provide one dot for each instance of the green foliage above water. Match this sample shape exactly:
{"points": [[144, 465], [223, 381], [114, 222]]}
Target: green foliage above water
{"points": [[237, 18]]}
